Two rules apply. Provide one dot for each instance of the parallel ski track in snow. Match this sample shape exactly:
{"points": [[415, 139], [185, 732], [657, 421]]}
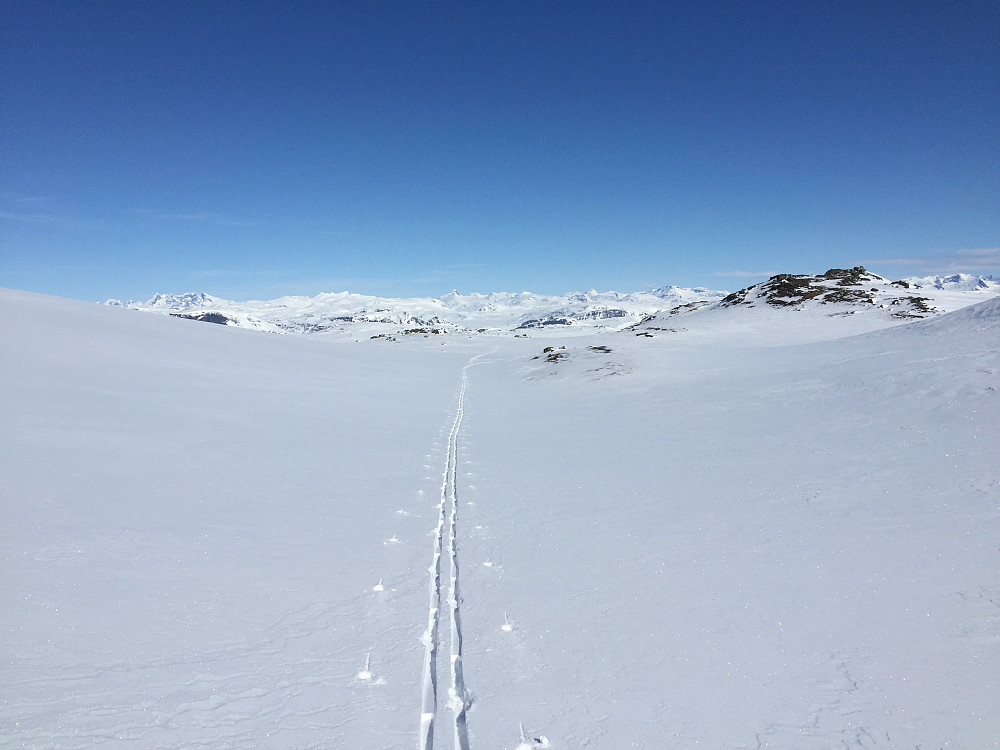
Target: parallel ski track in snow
{"points": [[446, 540]]}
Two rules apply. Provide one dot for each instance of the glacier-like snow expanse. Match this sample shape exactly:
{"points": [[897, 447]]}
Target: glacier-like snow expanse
{"points": [[218, 538]]}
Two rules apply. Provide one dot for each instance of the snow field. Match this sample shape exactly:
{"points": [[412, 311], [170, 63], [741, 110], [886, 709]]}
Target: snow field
{"points": [[219, 538]]}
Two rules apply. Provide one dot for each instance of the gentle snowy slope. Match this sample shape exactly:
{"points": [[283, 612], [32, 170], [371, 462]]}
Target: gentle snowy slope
{"points": [[194, 518], [220, 539]]}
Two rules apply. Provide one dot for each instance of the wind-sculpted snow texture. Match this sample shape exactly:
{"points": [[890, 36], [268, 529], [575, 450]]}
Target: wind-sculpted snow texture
{"points": [[725, 535]]}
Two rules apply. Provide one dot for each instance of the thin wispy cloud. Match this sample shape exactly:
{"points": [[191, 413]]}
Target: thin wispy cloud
{"points": [[24, 200], [220, 273], [205, 217], [27, 208], [988, 254], [34, 218], [966, 260], [455, 272], [745, 274]]}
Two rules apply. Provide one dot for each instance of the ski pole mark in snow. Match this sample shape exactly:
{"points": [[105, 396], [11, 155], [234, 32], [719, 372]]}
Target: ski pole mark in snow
{"points": [[366, 673], [447, 521], [530, 743]]}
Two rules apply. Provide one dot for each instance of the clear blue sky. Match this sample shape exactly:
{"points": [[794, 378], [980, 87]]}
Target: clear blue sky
{"points": [[256, 149]]}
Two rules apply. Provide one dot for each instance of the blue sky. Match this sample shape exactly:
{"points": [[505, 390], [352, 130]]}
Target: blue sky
{"points": [[257, 149]]}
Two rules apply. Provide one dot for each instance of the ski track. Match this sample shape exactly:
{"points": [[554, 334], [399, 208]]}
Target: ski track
{"points": [[446, 541]]}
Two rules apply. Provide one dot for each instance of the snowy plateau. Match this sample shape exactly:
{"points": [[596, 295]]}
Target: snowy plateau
{"points": [[674, 519]]}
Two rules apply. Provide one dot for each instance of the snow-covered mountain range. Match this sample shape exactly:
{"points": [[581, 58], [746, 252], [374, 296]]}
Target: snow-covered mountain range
{"points": [[495, 312], [836, 292]]}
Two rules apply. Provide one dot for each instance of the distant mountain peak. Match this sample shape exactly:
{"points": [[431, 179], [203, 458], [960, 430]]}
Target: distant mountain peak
{"points": [[168, 302], [180, 301], [954, 282]]}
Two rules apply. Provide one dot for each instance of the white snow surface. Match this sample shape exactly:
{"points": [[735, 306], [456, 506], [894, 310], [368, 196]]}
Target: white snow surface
{"points": [[724, 538]]}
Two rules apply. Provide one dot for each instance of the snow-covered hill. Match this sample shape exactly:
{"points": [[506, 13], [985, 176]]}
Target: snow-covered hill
{"points": [[789, 308], [213, 538]]}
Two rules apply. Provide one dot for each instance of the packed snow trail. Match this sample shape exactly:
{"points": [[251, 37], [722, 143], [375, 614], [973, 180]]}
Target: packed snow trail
{"points": [[447, 519]]}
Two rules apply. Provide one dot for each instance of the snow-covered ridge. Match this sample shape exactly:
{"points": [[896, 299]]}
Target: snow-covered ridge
{"points": [[836, 293], [839, 302], [496, 312], [956, 282], [170, 301]]}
